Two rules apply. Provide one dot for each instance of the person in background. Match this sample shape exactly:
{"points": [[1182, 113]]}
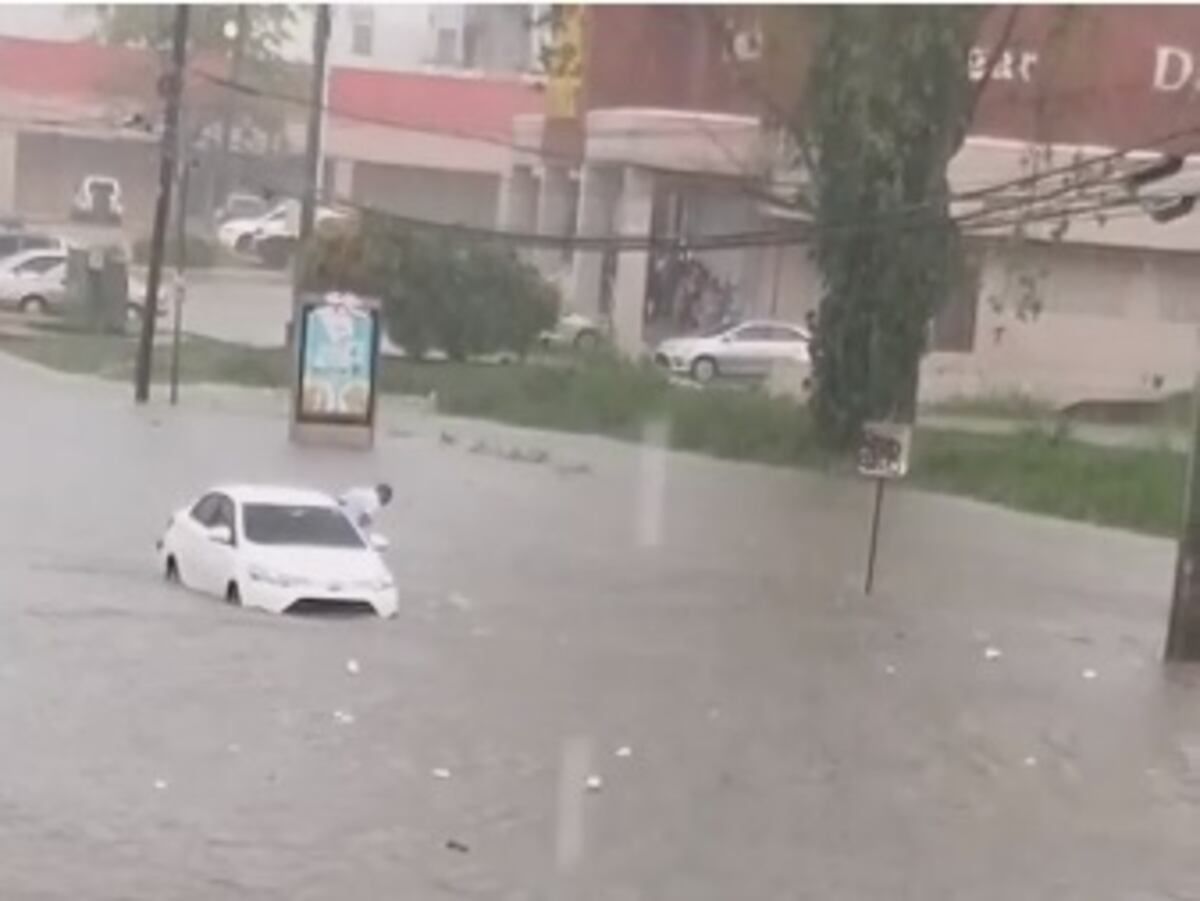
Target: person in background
{"points": [[361, 504]]}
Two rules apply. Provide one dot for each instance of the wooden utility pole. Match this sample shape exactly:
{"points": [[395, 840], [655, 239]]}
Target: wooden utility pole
{"points": [[312, 148], [1183, 627], [172, 89]]}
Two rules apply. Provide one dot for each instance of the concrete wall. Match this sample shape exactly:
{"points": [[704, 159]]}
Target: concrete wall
{"points": [[49, 168], [1113, 324], [460, 197]]}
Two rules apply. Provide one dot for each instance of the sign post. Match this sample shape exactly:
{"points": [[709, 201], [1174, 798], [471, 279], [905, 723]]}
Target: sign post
{"points": [[882, 456], [336, 341]]}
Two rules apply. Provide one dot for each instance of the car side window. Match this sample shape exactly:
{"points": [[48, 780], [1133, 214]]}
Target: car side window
{"points": [[206, 510], [38, 265], [783, 333], [226, 516], [753, 333]]}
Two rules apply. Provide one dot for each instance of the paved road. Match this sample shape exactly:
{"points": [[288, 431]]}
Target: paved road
{"points": [[789, 738]]}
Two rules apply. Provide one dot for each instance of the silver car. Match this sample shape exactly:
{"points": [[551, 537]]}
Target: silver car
{"points": [[746, 349]]}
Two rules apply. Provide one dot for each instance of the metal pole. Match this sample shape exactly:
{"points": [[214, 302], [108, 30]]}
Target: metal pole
{"points": [[1183, 626], [173, 88], [876, 513], [180, 272]]}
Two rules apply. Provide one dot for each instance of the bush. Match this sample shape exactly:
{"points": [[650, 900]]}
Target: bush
{"points": [[464, 298], [201, 252]]}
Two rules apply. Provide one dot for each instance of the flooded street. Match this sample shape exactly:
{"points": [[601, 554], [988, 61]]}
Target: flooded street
{"points": [[993, 723]]}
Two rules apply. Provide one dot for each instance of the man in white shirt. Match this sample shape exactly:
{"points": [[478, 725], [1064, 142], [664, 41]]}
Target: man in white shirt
{"points": [[361, 504]]}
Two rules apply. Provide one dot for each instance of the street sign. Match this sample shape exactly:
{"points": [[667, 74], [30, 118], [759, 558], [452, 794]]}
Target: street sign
{"points": [[883, 453]]}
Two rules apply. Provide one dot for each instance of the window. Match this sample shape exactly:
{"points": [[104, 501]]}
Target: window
{"points": [[447, 44], [754, 333], [206, 510], [783, 333], [362, 30], [38, 265], [279, 524]]}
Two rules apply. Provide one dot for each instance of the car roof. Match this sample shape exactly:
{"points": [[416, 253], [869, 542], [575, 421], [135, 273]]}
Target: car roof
{"points": [[281, 495], [16, 259]]}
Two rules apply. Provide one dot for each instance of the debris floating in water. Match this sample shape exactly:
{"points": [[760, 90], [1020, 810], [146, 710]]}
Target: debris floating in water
{"points": [[344, 717], [160, 784], [352, 667], [440, 773], [1090, 674], [1031, 761], [594, 783], [624, 751], [453, 844], [992, 653]]}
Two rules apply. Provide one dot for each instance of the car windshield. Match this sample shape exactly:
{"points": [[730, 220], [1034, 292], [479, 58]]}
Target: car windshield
{"points": [[307, 526]]}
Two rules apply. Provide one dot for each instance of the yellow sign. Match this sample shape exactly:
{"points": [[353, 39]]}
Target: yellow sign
{"points": [[564, 63]]}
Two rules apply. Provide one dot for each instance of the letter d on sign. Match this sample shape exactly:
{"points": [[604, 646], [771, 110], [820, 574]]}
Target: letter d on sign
{"points": [[1173, 68]]}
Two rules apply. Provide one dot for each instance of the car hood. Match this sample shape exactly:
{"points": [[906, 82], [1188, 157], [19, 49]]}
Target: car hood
{"points": [[318, 564]]}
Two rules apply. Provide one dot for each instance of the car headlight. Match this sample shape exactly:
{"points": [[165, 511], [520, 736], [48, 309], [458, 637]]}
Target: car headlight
{"points": [[270, 577]]}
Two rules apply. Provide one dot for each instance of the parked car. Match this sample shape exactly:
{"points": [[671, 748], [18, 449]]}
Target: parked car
{"points": [[277, 549], [238, 234], [33, 281], [274, 242], [15, 238], [241, 206], [573, 330], [98, 200], [746, 349]]}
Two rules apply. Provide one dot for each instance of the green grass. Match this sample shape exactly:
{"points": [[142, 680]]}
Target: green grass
{"points": [[1035, 470], [1139, 489], [1013, 405]]}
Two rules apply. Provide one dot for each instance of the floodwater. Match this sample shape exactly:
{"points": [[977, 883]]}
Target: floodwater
{"points": [[786, 737]]}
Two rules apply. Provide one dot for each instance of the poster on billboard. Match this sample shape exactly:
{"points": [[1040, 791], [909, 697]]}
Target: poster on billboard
{"points": [[337, 362]]}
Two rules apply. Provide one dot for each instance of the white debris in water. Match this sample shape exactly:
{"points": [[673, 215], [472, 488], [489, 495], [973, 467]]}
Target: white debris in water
{"points": [[440, 773], [160, 784], [594, 783], [344, 717], [352, 667], [992, 653], [1031, 761], [624, 751], [890, 669], [1090, 674], [459, 601]]}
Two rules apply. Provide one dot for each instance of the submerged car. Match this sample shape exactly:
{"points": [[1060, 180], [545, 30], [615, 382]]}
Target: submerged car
{"points": [[746, 349], [278, 549]]}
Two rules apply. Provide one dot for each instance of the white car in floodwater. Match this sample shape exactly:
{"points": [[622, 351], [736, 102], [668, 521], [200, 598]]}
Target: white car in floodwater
{"points": [[278, 549]]}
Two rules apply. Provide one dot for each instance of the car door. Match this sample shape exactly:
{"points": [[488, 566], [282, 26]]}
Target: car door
{"points": [[204, 563], [219, 555], [788, 344], [748, 348]]}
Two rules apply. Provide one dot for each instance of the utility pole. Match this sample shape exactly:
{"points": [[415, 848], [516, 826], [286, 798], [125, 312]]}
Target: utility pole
{"points": [[238, 28], [185, 170], [312, 149], [172, 88], [1183, 627]]}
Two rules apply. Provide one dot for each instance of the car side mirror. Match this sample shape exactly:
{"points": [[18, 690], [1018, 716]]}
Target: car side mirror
{"points": [[221, 534], [379, 542]]}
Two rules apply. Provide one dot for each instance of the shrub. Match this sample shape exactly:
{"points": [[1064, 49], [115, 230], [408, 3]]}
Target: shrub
{"points": [[201, 252], [464, 298]]}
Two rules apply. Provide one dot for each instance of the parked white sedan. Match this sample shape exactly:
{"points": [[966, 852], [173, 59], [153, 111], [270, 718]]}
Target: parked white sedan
{"points": [[32, 281], [278, 549], [746, 349]]}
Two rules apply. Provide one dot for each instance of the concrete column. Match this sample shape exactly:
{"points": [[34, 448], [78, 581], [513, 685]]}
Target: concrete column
{"points": [[629, 290], [8, 171], [343, 178], [553, 210], [598, 188], [517, 209]]}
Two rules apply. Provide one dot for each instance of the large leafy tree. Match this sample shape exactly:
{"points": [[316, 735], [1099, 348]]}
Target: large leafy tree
{"points": [[227, 43], [886, 107]]}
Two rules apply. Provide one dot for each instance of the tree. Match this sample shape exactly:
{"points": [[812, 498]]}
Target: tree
{"points": [[239, 43], [438, 291], [885, 108]]}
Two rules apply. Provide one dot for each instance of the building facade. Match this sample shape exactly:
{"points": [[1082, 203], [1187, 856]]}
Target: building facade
{"points": [[663, 137]]}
